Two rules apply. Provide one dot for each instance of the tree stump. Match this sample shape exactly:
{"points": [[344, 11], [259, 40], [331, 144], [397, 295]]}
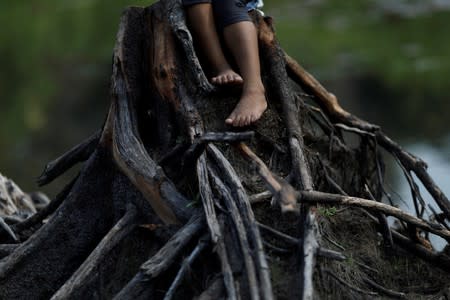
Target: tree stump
{"points": [[168, 202]]}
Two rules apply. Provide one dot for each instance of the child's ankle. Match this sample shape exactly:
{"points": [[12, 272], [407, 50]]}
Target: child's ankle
{"points": [[257, 87]]}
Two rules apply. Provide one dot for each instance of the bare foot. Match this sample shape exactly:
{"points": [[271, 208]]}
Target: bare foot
{"points": [[249, 109], [227, 76]]}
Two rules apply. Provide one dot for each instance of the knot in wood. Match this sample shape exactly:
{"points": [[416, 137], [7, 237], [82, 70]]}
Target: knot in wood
{"points": [[159, 175], [162, 72]]}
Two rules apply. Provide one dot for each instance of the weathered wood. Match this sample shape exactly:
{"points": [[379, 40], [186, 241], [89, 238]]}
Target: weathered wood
{"points": [[244, 206], [240, 232], [308, 248], [78, 224], [128, 150], [386, 231], [8, 229], [331, 254], [166, 256], [438, 259], [327, 101], [177, 21], [47, 210], [214, 291], [192, 154], [260, 197], [283, 192], [73, 288], [214, 227], [227, 137], [287, 238], [300, 166], [159, 97], [330, 105], [13, 201], [7, 249], [161, 261], [418, 166], [384, 290], [186, 265], [346, 284], [320, 197], [77, 154], [11, 220], [273, 53]]}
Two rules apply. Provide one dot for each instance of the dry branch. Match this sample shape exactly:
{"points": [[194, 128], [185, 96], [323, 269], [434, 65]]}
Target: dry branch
{"points": [[300, 166], [214, 227], [77, 154], [283, 192], [8, 230], [244, 206], [186, 265], [287, 238], [384, 290], [161, 261], [319, 197], [329, 103], [346, 284], [240, 230]]}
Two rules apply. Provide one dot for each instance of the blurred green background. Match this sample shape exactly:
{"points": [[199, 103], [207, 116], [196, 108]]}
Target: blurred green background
{"points": [[387, 61]]}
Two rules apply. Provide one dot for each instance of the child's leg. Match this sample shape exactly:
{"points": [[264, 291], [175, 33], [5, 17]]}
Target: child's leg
{"points": [[241, 38], [202, 25]]}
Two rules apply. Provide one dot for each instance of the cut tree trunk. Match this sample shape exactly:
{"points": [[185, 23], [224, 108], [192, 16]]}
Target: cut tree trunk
{"points": [[160, 183]]}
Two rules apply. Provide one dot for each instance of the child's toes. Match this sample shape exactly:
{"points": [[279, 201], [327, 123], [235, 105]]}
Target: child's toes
{"points": [[241, 121], [230, 120], [248, 121], [236, 121]]}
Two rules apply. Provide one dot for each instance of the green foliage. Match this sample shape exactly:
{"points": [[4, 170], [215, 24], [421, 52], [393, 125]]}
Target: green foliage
{"points": [[327, 211], [406, 52], [42, 41], [404, 60]]}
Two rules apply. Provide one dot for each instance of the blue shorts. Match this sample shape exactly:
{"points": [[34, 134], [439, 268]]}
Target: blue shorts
{"points": [[226, 12]]}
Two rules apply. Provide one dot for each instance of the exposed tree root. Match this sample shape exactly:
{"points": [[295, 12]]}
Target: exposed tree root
{"points": [[337, 114], [74, 288], [7, 249], [202, 244], [140, 286], [164, 151], [46, 211]]}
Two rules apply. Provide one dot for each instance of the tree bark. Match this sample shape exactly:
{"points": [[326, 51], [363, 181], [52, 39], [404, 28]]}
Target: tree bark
{"points": [[162, 160]]}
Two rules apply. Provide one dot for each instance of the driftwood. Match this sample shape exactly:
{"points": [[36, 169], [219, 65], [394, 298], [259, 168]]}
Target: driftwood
{"points": [[162, 160]]}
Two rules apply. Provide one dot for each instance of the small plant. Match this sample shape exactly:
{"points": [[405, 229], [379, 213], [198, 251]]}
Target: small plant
{"points": [[327, 212]]}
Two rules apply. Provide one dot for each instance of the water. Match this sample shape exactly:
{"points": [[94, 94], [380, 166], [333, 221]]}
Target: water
{"points": [[438, 168]]}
